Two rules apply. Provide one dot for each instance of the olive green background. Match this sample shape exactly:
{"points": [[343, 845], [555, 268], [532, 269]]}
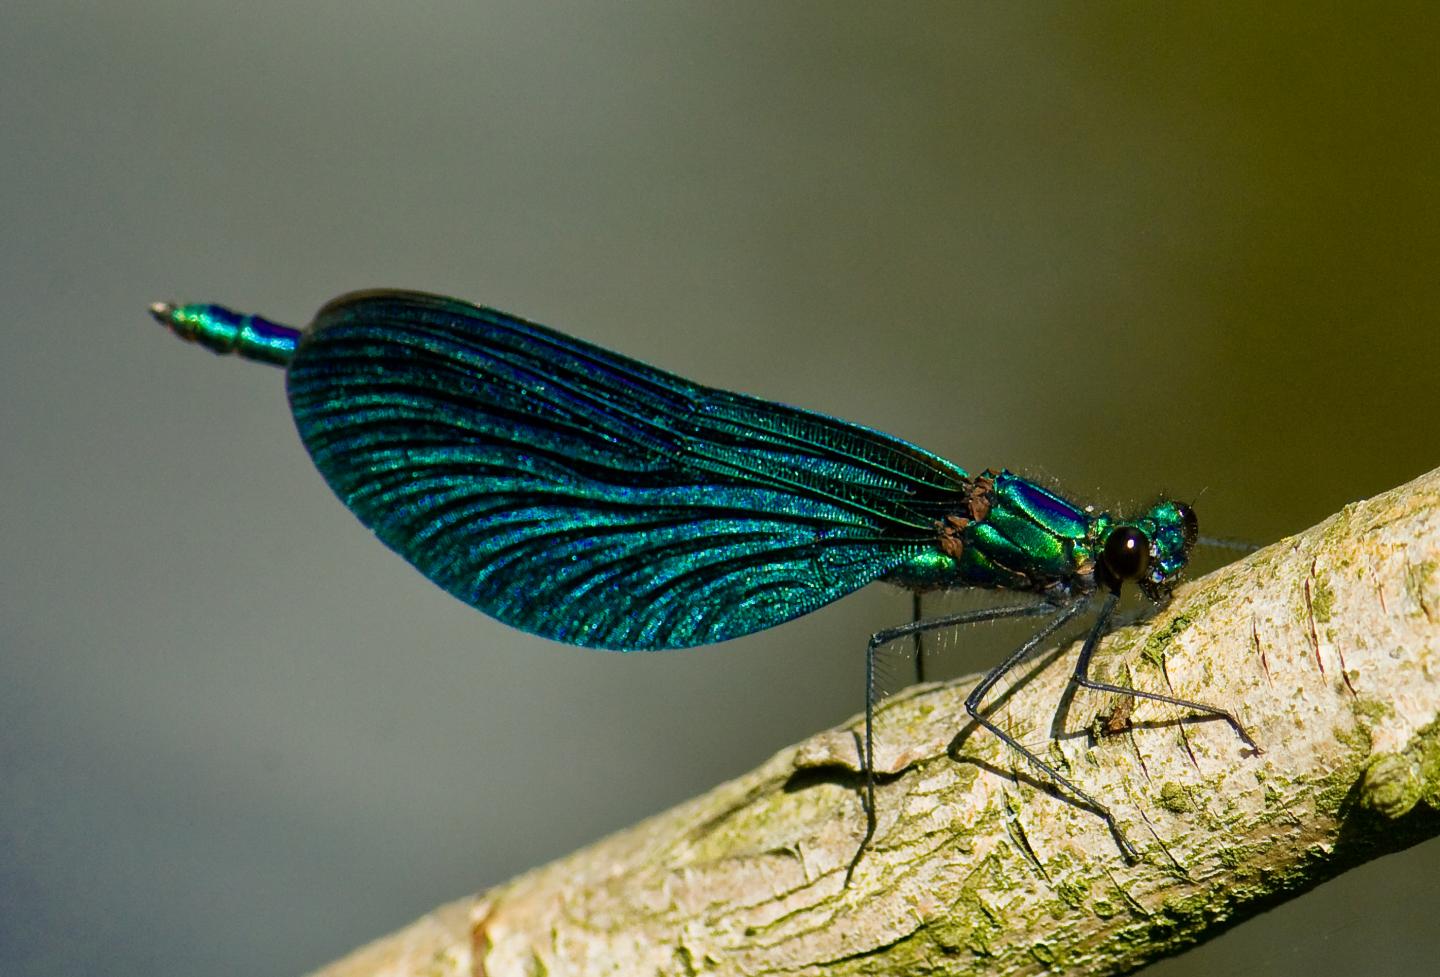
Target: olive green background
{"points": [[1126, 248]]}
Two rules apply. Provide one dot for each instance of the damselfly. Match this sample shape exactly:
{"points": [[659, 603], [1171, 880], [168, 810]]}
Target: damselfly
{"points": [[583, 496]]}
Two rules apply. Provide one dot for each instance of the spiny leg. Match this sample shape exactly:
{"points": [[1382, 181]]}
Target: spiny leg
{"points": [[919, 636], [977, 695], [1081, 677], [880, 638]]}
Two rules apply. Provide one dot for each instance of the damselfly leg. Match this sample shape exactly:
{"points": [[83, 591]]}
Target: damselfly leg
{"points": [[1063, 614], [1081, 677], [913, 628]]}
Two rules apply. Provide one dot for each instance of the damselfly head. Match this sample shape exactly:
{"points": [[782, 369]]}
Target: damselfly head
{"points": [[1151, 550]]}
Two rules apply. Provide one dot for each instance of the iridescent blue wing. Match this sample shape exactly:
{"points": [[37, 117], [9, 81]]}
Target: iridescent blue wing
{"points": [[589, 498]]}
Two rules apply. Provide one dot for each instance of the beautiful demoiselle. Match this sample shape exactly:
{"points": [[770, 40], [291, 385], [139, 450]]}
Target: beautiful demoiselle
{"points": [[591, 499]]}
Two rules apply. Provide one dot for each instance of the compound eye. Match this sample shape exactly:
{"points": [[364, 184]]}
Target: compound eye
{"points": [[1190, 526], [1127, 554]]}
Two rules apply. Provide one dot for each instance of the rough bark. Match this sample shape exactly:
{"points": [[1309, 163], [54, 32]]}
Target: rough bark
{"points": [[1327, 646]]}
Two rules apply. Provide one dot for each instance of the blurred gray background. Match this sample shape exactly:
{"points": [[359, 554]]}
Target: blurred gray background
{"points": [[1132, 251]]}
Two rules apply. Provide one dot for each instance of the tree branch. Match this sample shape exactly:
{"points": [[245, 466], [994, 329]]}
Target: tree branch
{"points": [[1327, 646]]}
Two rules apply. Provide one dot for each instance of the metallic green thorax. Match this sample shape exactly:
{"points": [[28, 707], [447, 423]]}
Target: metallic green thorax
{"points": [[1023, 537]]}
